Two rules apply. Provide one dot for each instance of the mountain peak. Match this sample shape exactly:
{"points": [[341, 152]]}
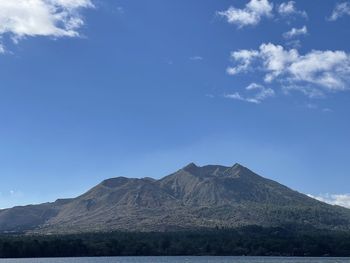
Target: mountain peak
{"points": [[239, 170], [192, 164], [217, 170], [114, 182], [191, 167], [238, 166]]}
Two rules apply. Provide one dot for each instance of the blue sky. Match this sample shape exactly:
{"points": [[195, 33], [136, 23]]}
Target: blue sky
{"points": [[104, 88]]}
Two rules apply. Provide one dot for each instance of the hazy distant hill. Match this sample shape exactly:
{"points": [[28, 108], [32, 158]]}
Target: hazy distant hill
{"points": [[194, 197]]}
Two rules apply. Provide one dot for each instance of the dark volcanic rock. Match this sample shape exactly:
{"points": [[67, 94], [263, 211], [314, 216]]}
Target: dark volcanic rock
{"points": [[192, 198]]}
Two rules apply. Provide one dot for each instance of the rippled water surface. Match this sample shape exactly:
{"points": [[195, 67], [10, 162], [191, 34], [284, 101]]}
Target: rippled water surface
{"points": [[180, 260]]}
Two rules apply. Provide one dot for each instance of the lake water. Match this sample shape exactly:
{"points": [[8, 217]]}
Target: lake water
{"points": [[180, 260]]}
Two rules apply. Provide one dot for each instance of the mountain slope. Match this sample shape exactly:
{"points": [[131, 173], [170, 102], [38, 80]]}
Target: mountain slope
{"points": [[193, 197]]}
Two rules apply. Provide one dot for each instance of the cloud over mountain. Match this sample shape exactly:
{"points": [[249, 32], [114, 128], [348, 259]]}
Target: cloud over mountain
{"points": [[334, 199]]}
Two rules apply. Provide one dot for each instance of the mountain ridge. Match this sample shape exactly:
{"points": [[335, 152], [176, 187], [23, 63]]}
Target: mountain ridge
{"points": [[193, 197]]}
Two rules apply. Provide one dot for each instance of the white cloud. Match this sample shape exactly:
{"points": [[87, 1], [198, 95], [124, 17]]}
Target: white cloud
{"points": [[295, 32], [340, 10], [30, 18], [314, 72], [288, 9], [244, 57], [260, 93], [251, 14], [334, 199], [71, 4], [255, 10]]}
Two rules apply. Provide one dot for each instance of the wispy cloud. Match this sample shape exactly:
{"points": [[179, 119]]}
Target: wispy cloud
{"points": [[327, 110], [120, 9], [294, 32], [313, 106], [14, 194], [334, 199], [51, 18], [257, 94], [340, 10], [288, 9], [312, 73], [2, 49], [250, 15], [196, 58], [294, 43]]}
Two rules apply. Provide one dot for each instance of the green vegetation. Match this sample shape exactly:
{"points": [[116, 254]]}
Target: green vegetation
{"points": [[192, 198], [252, 241]]}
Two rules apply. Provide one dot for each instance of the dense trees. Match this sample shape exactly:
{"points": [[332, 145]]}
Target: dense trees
{"points": [[253, 241]]}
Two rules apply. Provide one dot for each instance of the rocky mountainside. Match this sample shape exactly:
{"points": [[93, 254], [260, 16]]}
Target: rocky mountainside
{"points": [[194, 197]]}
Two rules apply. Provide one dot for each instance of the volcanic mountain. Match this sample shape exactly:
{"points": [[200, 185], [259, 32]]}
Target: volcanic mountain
{"points": [[194, 197]]}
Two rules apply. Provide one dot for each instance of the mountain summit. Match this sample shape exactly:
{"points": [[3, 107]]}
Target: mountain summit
{"points": [[193, 197]]}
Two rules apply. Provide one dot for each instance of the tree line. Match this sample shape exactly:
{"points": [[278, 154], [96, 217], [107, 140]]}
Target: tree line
{"points": [[248, 241]]}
